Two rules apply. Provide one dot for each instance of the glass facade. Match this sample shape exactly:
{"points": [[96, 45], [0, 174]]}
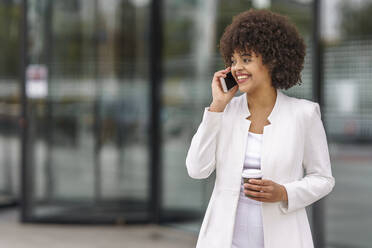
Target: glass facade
{"points": [[347, 69], [88, 88], [10, 103]]}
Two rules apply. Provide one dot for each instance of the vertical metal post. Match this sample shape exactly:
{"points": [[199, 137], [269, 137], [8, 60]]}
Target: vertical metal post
{"points": [[155, 132], [8, 167], [317, 64], [317, 61], [48, 53], [23, 121], [96, 110]]}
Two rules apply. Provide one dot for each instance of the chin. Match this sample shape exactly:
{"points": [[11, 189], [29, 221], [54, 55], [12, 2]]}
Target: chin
{"points": [[244, 88]]}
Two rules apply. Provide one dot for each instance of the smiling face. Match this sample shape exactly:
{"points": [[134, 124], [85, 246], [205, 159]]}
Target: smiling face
{"points": [[249, 72]]}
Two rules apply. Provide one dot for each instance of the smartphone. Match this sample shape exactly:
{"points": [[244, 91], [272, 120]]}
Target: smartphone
{"points": [[228, 82]]}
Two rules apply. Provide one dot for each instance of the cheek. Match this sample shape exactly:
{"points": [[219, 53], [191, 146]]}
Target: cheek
{"points": [[233, 73], [258, 74], [263, 71]]}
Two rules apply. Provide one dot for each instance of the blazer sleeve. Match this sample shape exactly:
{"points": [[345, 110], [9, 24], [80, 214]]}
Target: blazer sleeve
{"points": [[201, 156], [318, 180]]}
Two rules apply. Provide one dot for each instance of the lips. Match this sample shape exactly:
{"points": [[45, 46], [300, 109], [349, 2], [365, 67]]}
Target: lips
{"points": [[242, 78]]}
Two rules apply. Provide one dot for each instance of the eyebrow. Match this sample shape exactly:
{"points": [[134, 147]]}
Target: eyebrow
{"points": [[244, 54]]}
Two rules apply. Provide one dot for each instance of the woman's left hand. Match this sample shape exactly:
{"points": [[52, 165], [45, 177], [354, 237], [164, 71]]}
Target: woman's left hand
{"points": [[269, 191]]}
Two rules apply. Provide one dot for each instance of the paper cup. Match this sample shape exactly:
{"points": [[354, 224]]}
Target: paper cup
{"points": [[251, 174]]}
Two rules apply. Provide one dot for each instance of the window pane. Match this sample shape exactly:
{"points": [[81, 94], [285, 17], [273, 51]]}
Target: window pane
{"points": [[10, 102], [348, 115], [89, 142]]}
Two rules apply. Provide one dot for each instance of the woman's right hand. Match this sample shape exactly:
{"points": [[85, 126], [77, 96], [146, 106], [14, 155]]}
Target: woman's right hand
{"points": [[220, 98]]}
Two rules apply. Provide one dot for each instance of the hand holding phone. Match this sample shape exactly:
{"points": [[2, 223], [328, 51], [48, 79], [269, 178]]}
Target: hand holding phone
{"points": [[221, 97], [228, 83]]}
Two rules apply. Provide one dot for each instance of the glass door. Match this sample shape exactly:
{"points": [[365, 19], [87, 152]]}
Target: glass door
{"points": [[348, 115], [10, 102], [86, 91]]}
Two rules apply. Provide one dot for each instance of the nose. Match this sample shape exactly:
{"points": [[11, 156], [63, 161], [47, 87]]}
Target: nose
{"points": [[238, 66]]}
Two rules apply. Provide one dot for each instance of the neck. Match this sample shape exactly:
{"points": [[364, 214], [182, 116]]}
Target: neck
{"points": [[261, 100]]}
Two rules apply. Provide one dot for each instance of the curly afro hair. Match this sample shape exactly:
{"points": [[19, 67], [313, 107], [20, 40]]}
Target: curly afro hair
{"points": [[273, 37]]}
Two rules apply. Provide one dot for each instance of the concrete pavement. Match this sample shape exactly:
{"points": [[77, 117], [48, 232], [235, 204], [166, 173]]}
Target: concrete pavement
{"points": [[17, 235]]}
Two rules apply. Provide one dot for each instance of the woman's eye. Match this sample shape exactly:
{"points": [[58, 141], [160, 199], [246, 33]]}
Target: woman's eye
{"points": [[246, 60]]}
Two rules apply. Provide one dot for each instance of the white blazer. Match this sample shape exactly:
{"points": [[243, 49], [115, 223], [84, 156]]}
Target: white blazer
{"points": [[294, 154]]}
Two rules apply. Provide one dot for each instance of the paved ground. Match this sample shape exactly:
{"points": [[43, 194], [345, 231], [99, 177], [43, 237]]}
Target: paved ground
{"points": [[348, 216], [16, 235]]}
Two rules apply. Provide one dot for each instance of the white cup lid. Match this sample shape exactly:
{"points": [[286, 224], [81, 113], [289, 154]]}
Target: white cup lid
{"points": [[252, 173]]}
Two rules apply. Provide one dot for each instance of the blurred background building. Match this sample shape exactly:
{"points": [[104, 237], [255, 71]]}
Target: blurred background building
{"points": [[99, 100]]}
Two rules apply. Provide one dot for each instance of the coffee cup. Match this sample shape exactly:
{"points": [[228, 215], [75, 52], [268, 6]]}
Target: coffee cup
{"points": [[251, 174]]}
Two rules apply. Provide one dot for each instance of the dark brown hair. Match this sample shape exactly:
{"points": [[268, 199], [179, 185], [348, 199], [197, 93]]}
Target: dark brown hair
{"points": [[273, 37]]}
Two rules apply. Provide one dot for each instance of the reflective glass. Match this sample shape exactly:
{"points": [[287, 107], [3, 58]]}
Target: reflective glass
{"points": [[10, 102], [348, 114], [88, 91]]}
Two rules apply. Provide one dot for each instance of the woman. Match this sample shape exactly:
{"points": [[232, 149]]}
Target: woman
{"points": [[262, 129]]}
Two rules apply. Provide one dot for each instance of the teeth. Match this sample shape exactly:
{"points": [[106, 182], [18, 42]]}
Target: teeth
{"points": [[241, 77]]}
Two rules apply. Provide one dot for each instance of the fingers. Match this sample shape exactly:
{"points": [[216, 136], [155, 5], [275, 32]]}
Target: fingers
{"points": [[216, 79], [216, 82], [258, 187], [219, 74], [227, 69], [222, 73], [234, 89], [263, 182], [257, 194], [217, 89], [253, 187]]}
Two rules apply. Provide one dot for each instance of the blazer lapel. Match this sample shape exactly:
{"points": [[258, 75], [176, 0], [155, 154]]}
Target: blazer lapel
{"points": [[268, 133]]}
